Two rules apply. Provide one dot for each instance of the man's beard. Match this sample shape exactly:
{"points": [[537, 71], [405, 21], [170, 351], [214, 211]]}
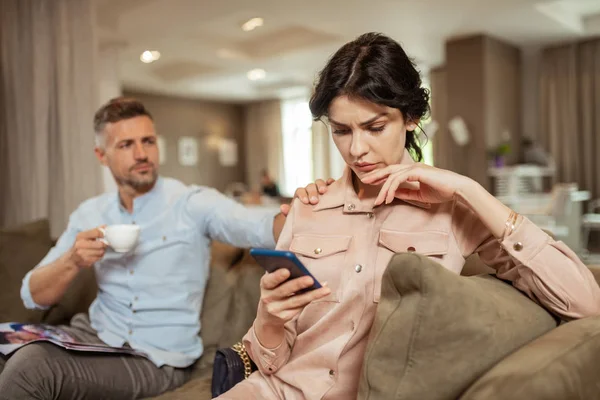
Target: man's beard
{"points": [[139, 183]]}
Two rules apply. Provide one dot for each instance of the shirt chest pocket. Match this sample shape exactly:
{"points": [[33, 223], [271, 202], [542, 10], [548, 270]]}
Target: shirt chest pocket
{"points": [[168, 242], [433, 244], [324, 257]]}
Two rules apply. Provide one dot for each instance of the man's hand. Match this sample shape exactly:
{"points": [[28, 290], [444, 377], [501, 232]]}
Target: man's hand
{"points": [[309, 194], [87, 250]]}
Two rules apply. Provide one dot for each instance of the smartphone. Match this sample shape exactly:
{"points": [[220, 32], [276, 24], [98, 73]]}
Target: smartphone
{"points": [[272, 260]]}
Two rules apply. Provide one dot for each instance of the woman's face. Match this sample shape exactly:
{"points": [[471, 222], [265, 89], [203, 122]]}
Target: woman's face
{"points": [[368, 136]]}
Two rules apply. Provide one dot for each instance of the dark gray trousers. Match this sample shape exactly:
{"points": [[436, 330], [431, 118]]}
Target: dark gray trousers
{"points": [[46, 371]]}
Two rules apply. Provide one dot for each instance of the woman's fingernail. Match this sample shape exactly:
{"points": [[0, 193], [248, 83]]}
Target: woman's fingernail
{"points": [[305, 200], [313, 198]]}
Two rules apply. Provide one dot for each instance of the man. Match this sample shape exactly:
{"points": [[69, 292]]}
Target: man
{"points": [[149, 299]]}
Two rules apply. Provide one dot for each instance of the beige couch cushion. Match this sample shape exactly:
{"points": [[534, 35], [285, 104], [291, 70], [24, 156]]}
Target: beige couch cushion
{"points": [[21, 248], [436, 332], [230, 298], [562, 364]]}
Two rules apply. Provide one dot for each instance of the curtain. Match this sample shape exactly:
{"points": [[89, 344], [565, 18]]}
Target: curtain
{"points": [[48, 99], [570, 112]]}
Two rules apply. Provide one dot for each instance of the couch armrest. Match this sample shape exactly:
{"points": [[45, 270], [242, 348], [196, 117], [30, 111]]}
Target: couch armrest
{"points": [[562, 364]]}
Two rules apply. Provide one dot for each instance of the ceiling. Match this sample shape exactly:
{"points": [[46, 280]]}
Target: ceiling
{"points": [[205, 53]]}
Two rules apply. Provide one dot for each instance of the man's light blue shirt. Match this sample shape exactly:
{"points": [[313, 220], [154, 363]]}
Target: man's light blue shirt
{"points": [[151, 297]]}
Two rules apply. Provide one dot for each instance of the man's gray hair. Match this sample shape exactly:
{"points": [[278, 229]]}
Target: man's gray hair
{"points": [[117, 109]]}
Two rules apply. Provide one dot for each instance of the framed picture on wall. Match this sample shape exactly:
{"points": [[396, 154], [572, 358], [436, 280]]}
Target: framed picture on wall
{"points": [[188, 151], [228, 152]]}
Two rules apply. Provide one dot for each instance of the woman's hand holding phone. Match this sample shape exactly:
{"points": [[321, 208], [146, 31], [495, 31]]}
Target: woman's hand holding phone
{"points": [[279, 304]]}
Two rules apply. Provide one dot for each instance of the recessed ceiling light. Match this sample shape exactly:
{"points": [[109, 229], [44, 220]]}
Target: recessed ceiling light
{"points": [[256, 74], [149, 56], [252, 24]]}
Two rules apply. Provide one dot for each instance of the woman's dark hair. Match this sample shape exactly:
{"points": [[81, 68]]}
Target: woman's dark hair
{"points": [[374, 67]]}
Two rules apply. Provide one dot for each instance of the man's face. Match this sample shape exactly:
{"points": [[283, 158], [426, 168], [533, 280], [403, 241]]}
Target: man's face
{"points": [[130, 152]]}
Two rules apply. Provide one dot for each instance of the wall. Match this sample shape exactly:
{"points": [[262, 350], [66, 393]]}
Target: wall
{"points": [[530, 91], [264, 147], [207, 121], [443, 145], [466, 99], [480, 83], [502, 85]]}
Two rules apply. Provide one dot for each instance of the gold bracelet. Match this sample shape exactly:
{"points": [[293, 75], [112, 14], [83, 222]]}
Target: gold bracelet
{"points": [[513, 224], [509, 225]]}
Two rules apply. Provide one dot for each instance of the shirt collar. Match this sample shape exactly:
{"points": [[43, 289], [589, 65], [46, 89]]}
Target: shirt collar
{"points": [[341, 193], [152, 196]]}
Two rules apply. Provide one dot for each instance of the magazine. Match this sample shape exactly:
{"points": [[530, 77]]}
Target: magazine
{"points": [[15, 335]]}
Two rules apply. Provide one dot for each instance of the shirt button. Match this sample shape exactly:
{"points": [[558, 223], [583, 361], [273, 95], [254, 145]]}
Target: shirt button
{"points": [[351, 207], [134, 311], [133, 222], [331, 373], [130, 331], [358, 268], [318, 250], [130, 272], [164, 238], [136, 298], [518, 246], [411, 249]]}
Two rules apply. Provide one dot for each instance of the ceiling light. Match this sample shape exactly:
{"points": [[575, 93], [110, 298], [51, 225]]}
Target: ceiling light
{"points": [[149, 56], [256, 74], [252, 24]]}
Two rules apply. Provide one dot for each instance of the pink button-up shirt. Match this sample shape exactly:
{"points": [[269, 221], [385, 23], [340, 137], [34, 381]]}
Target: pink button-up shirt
{"points": [[348, 243]]}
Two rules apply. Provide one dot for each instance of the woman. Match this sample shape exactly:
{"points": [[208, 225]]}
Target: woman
{"points": [[311, 345]]}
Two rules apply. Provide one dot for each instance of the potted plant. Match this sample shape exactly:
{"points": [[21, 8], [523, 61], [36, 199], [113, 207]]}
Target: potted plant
{"points": [[500, 153]]}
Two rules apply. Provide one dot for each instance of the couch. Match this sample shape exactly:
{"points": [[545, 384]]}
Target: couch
{"points": [[229, 308]]}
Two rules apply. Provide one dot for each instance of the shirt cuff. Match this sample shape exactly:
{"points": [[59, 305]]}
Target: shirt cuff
{"points": [[526, 241], [26, 295], [267, 359], [268, 226]]}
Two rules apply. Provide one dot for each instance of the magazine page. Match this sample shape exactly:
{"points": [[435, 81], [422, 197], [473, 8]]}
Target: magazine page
{"points": [[14, 335]]}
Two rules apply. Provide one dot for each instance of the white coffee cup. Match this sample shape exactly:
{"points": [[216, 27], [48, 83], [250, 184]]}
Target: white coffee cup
{"points": [[122, 238]]}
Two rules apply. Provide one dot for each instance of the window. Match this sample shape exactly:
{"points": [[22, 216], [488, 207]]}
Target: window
{"points": [[427, 148], [336, 162], [297, 145], [426, 143]]}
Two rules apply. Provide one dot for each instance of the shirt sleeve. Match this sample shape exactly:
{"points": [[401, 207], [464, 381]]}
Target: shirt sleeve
{"points": [[267, 360], [226, 220], [546, 270], [64, 243]]}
